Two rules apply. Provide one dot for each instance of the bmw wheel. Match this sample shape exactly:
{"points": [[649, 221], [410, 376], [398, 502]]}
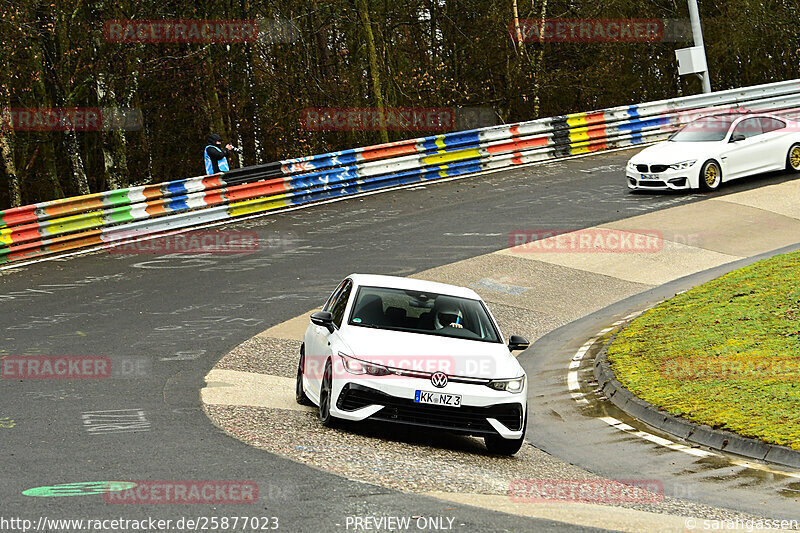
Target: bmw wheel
{"points": [[710, 176], [325, 393], [299, 393], [793, 159], [500, 446]]}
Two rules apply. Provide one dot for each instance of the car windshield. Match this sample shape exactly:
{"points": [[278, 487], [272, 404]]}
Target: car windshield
{"points": [[422, 312], [712, 128]]}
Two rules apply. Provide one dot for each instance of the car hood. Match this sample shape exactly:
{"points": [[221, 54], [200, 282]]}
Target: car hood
{"points": [[668, 153], [431, 353]]}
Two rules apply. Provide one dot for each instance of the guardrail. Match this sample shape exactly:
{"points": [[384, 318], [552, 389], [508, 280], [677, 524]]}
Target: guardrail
{"points": [[115, 216]]}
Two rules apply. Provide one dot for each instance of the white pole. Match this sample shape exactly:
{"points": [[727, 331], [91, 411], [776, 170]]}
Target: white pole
{"points": [[697, 32]]}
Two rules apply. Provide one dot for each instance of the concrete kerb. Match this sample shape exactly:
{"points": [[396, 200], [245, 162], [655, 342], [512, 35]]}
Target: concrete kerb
{"points": [[680, 428]]}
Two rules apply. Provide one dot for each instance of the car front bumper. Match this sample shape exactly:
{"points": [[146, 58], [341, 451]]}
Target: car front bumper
{"points": [[670, 180], [483, 411]]}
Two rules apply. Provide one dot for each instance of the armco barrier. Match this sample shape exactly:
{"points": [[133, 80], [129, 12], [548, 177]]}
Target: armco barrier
{"points": [[95, 219]]}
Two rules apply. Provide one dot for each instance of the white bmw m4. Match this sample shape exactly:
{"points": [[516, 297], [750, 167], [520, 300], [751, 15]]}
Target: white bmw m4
{"points": [[715, 149], [414, 352]]}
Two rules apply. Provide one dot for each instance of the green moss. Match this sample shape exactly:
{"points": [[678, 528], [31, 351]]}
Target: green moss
{"points": [[726, 353]]}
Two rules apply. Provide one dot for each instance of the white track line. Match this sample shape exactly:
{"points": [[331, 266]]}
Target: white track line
{"points": [[573, 383]]}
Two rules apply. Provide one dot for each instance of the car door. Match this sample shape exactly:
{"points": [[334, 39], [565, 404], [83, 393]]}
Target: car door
{"points": [[318, 338], [775, 142], [743, 156]]}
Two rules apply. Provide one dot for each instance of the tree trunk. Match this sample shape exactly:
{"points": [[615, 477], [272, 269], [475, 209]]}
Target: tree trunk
{"points": [[53, 32], [538, 68], [254, 108], [7, 148], [517, 29], [74, 154], [115, 164], [374, 72], [7, 154], [212, 98]]}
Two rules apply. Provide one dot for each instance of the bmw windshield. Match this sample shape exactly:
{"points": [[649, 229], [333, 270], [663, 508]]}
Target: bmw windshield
{"points": [[422, 312], [706, 129]]}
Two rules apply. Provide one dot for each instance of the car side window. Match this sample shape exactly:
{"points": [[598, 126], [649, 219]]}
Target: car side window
{"points": [[340, 302], [335, 294], [749, 128], [769, 124]]}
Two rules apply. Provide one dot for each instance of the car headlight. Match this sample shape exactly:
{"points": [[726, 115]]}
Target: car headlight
{"points": [[682, 165], [357, 366], [508, 385], [631, 165]]}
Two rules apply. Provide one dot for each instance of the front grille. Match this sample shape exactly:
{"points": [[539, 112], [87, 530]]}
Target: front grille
{"points": [[658, 168], [653, 184], [464, 419], [642, 168]]}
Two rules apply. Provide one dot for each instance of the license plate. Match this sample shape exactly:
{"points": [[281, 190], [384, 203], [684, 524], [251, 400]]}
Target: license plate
{"points": [[437, 398], [650, 176]]}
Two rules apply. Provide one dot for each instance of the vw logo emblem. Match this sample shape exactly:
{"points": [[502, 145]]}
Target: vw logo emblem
{"points": [[439, 379]]}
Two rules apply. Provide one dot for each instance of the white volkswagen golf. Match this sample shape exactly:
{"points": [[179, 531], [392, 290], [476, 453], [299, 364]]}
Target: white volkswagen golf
{"points": [[414, 352], [717, 148]]}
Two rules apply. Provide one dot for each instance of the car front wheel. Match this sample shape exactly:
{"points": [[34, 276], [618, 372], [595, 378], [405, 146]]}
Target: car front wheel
{"points": [[325, 393], [710, 176], [500, 446], [299, 392], [793, 159]]}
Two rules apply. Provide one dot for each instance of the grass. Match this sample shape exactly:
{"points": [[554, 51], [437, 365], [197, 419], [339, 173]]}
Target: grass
{"points": [[726, 353]]}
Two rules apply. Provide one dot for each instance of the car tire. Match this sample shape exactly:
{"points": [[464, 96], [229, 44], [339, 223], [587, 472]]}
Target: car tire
{"points": [[500, 446], [325, 392], [793, 158], [710, 176], [299, 393]]}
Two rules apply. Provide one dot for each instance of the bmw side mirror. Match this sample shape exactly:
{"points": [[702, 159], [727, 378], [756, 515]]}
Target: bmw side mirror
{"points": [[324, 319], [736, 137], [517, 342]]}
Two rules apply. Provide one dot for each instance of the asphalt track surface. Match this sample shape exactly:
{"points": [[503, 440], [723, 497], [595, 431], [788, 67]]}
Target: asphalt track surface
{"points": [[176, 315]]}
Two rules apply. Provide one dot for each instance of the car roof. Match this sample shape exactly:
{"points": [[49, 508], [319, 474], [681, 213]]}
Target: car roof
{"points": [[396, 282], [739, 116]]}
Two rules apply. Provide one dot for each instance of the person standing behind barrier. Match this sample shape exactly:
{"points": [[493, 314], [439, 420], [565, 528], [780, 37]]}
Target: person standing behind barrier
{"points": [[215, 155]]}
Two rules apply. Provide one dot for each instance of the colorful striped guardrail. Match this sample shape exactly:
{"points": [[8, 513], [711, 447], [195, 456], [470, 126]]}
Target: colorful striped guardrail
{"points": [[57, 226]]}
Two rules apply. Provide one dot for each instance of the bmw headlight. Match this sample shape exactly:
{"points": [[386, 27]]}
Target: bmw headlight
{"points": [[357, 366], [683, 165], [631, 165], [508, 385]]}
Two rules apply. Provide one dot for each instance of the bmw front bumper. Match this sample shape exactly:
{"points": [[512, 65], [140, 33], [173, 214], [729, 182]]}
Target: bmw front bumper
{"points": [[670, 180]]}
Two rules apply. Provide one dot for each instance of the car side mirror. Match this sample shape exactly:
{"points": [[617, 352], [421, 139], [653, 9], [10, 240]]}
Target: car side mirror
{"points": [[517, 342], [324, 319], [736, 137]]}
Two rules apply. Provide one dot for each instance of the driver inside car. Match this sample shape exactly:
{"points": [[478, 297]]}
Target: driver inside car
{"points": [[448, 315]]}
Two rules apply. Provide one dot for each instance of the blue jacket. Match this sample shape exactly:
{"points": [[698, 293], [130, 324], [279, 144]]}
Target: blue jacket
{"points": [[216, 159]]}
